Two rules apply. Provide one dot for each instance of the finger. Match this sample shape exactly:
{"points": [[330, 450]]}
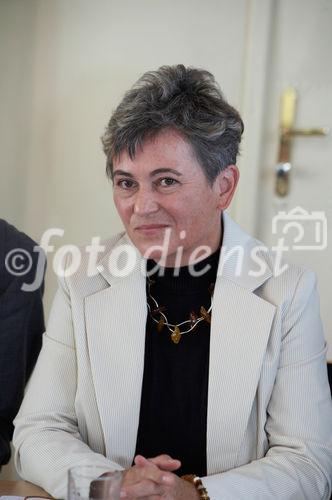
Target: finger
{"points": [[150, 497], [153, 497], [140, 461], [144, 488], [162, 462], [165, 462], [138, 473]]}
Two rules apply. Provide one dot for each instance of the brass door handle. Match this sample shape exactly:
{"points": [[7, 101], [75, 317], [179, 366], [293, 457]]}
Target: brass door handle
{"points": [[287, 132], [306, 131]]}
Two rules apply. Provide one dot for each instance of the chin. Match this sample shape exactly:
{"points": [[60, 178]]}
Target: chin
{"points": [[154, 248], [155, 255]]}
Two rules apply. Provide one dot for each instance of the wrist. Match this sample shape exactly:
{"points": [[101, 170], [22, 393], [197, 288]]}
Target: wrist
{"points": [[194, 495], [196, 481]]}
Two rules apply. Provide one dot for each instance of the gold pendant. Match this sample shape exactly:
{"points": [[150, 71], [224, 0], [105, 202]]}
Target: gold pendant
{"points": [[205, 314], [176, 335], [160, 325]]}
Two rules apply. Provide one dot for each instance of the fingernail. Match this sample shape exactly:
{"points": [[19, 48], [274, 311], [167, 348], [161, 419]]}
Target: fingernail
{"points": [[123, 494], [167, 480]]}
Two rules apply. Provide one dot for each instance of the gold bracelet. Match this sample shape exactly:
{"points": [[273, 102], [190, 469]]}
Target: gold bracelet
{"points": [[197, 482]]}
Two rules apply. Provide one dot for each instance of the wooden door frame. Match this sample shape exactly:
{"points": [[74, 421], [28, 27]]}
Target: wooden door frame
{"points": [[256, 61]]}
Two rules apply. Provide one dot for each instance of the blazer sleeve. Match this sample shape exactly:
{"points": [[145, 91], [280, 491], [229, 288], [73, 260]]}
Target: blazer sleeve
{"points": [[47, 440], [298, 463]]}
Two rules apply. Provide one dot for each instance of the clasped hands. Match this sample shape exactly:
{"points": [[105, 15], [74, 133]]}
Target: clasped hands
{"points": [[153, 479]]}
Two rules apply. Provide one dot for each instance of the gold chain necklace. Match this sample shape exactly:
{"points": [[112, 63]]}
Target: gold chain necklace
{"points": [[205, 315]]}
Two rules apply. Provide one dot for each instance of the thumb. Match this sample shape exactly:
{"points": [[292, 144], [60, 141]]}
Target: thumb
{"points": [[141, 461], [166, 463]]}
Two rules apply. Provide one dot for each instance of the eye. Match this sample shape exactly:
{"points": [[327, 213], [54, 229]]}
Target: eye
{"points": [[167, 182], [125, 183]]}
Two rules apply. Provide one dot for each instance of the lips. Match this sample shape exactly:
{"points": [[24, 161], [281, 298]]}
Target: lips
{"points": [[150, 228]]}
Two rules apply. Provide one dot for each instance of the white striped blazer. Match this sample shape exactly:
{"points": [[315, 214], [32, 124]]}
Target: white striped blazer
{"points": [[269, 428]]}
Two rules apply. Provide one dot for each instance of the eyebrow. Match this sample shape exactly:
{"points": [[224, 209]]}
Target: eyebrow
{"points": [[152, 174]]}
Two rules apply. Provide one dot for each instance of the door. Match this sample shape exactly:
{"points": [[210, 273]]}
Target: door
{"points": [[300, 58]]}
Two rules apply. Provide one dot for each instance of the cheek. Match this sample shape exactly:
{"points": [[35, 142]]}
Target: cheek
{"points": [[192, 217], [122, 208], [186, 213]]}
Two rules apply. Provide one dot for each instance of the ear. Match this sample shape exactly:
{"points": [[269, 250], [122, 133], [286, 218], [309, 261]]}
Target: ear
{"points": [[225, 185]]}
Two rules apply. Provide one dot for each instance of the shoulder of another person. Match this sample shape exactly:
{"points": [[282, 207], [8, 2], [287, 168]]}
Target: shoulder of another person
{"points": [[11, 239]]}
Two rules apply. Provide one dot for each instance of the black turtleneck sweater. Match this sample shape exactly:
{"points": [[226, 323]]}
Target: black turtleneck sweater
{"points": [[173, 412]]}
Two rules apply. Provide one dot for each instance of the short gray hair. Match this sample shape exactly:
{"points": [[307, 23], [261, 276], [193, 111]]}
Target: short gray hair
{"points": [[188, 100]]}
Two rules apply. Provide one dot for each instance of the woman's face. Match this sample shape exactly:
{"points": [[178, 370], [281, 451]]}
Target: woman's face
{"points": [[165, 200]]}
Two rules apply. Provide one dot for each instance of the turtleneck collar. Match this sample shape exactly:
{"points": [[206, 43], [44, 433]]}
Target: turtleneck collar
{"points": [[183, 278]]}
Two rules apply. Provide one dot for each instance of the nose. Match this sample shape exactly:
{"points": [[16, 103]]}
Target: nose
{"points": [[145, 202]]}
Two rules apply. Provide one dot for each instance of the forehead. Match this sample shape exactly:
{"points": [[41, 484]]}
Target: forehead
{"points": [[167, 149]]}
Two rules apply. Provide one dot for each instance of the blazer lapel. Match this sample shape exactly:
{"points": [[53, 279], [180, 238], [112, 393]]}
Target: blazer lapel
{"points": [[241, 325], [115, 322]]}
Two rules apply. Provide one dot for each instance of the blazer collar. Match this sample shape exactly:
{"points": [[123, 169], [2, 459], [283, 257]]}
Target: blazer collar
{"points": [[242, 258], [122, 263]]}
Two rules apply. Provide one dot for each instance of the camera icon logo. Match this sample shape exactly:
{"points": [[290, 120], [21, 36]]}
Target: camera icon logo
{"points": [[308, 230]]}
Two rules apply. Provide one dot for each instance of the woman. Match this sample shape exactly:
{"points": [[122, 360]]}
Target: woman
{"points": [[188, 352]]}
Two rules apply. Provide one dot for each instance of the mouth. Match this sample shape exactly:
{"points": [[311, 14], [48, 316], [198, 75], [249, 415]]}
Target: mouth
{"points": [[150, 228]]}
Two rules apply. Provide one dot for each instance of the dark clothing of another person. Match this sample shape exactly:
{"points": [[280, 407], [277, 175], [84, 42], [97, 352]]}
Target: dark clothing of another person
{"points": [[21, 329], [173, 414]]}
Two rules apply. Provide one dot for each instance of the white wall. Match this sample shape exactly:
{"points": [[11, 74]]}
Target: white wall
{"points": [[17, 33]]}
